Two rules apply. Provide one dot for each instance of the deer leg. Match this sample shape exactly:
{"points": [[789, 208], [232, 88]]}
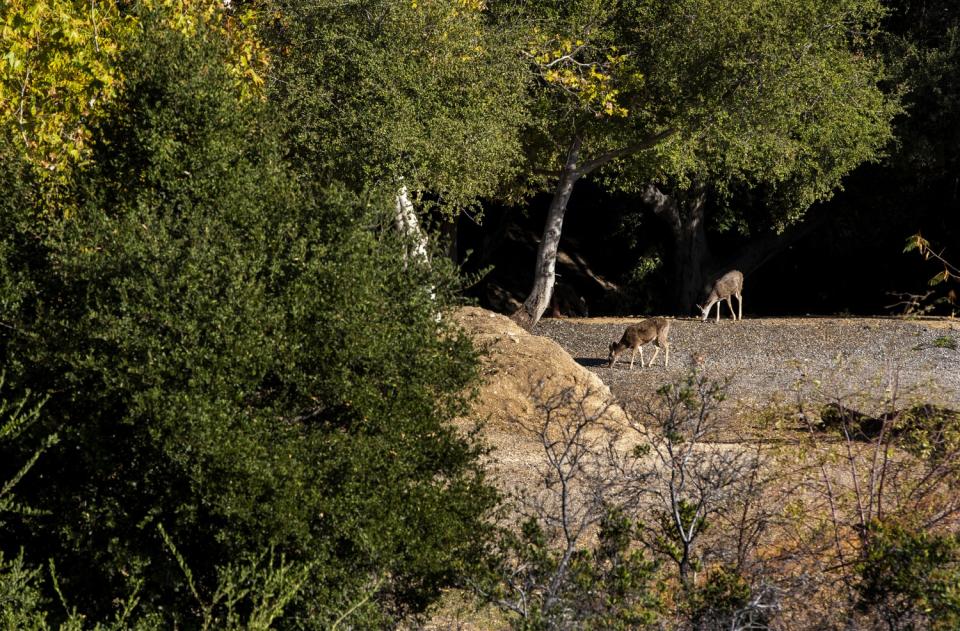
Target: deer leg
{"points": [[654, 358], [641, 355], [663, 343], [718, 311], [733, 314], [633, 356], [740, 305]]}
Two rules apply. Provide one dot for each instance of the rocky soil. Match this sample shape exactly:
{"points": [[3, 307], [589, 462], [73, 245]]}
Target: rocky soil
{"points": [[858, 361], [764, 358]]}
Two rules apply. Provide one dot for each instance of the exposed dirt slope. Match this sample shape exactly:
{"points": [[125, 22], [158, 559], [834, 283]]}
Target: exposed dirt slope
{"points": [[518, 364]]}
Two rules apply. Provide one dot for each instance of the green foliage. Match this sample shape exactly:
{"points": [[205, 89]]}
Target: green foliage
{"points": [[62, 69], [930, 431], [237, 355], [617, 579], [922, 50], [686, 403], [58, 68], [942, 341], [21, 603], [910, 578], [722, 602], [787, 99], [946, 341], [926, 430], [641, 287], [586, 81], [247, 596], [580, 69], [692, 483], [262, 586], [610, 585], [923, 247], [676, 528], [15, 418], [377, 92]]}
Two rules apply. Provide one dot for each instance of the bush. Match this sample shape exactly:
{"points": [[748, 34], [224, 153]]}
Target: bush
{"points": [[726, 600], [909, 577], [234, 356], [572, 561]]}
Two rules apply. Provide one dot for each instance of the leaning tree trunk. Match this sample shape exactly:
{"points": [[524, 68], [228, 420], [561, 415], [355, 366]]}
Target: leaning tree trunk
{"points": [[405, 219], [407, 224], [545, 275], [686, 217]]}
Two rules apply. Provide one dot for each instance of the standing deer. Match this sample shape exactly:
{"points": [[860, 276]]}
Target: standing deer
{"points": [[730, 284], [653, 330]]}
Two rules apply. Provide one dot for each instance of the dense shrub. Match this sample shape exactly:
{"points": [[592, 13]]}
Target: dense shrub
{"points": [[231, 355], [607, 584], [909, 577]]}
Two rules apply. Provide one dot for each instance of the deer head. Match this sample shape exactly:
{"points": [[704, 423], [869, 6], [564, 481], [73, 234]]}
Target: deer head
{"points": [[614, 351]]}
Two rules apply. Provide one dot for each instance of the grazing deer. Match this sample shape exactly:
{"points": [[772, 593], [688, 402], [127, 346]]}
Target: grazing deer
{"points": [[730, 284], [653, 330]]}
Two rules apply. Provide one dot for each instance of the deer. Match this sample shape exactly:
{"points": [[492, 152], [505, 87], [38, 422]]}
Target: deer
{"points": [[730, 284], [653, 330]]}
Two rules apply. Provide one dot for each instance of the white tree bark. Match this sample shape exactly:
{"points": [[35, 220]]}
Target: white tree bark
{"points": [[545, 275], [408, 226]]}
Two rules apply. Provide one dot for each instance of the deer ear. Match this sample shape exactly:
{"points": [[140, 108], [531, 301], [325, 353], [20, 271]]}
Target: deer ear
{"points": [[613, 344]]}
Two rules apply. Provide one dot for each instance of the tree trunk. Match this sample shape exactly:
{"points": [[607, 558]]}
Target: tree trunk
{"points": [[686, 217], [692, 252], [685, 567], [449, 233], [408, 225], [545, 275]]}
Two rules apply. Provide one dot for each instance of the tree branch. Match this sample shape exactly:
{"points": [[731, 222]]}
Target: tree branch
{"points": [[603, 158]]}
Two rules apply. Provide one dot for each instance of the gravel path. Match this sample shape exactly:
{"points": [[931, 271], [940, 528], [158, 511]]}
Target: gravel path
{"points": [[762, 356]]}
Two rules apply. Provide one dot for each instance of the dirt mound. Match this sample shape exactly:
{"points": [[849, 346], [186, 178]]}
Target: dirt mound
{"points": [[520, 371]]}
